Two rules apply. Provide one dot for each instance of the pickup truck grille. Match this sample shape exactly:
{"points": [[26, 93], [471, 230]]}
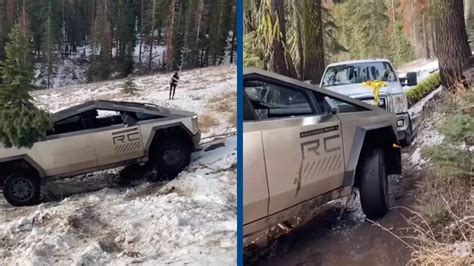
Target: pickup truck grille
{"points": [[370, 100]]}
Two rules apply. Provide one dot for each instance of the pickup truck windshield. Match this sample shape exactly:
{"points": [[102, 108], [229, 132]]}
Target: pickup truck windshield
{"points": [[358, 73]]}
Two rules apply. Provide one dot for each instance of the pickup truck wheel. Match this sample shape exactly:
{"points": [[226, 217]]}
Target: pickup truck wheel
{"points": [[172, 156], [373, 184], [22, 189]]}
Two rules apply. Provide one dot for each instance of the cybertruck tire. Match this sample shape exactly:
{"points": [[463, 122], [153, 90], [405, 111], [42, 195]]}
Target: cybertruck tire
{"points": [[22, 189], [373, 186], [170, 158]]}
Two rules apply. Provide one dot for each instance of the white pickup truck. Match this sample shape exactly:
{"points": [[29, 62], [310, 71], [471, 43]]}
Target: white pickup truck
{"points": [[347, 78]]}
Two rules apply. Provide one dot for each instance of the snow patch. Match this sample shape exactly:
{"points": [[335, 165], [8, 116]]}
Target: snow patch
{"points": [[462, 249]]}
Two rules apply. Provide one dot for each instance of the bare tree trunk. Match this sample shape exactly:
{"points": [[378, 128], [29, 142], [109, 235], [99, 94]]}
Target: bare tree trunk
{"points": [[170, 34], [9, 14], [394, 17], [214, 56], [232, 44], [2, 32], [299, 34], [313, 45], [198, 28], [152, 34], [426, 37], [48, 43], [414, 29], [142, 13], [280, 61], [452, 47], [24, 19], [395, 33], [62, 38]]}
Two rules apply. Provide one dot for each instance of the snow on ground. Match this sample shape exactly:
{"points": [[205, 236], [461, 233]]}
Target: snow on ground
{"points": [[68, 71], [156, 57], [72, 69], [427, 134], [197, 90], [189, 220]]}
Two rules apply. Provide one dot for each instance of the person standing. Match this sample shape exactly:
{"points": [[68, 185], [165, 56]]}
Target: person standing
{"points": [[173, 84]]}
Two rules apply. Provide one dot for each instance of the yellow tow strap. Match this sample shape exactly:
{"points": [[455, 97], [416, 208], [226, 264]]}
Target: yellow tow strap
{"points": [[375, 86]]}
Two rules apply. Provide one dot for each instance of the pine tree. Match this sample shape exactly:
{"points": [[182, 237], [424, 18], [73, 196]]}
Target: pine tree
{"points": [[332, 46], [190, 46], [197, 37], [21, 123], [37, 23], [173, 36], [180, 36], [401, 50], [102, 31], [219, 29], [8, 13], [363, 27], [129, 86], [74, 24], [156, 18], [49, 40], [152, 32], [143, 4], [233, 44], [125, 34], [197, 33]]}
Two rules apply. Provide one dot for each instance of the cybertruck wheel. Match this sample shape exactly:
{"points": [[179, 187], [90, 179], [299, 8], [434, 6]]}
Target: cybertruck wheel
{"points": [[408, 135], [373, 185], [22, 189], [170, 158]]}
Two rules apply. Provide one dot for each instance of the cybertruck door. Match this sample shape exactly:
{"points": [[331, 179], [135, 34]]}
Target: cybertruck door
{"points": [[303, 146], [255, 194], [71, 147], [113, 140]]}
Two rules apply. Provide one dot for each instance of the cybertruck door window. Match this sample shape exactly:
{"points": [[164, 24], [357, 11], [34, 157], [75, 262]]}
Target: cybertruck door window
{"points": [[107, 118], [271, 101]]}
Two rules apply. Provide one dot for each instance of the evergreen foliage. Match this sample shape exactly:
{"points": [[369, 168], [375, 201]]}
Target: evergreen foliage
{"points": [[129, 86], [368, 29], [21, 123], [195, 33], [125, 34]]}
